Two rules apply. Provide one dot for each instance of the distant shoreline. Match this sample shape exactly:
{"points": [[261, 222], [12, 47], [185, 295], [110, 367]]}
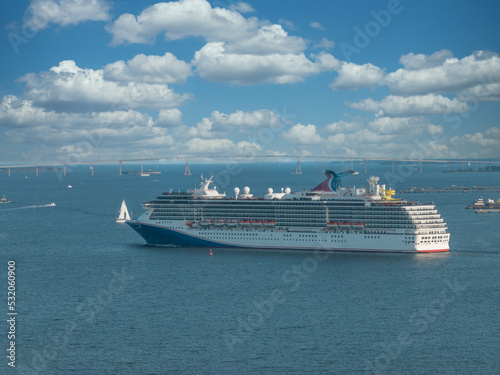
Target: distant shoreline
{"points": [[470, 171], [490, 169]]}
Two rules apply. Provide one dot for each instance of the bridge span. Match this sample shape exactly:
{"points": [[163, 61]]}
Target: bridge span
{"points": [[62, 166]]}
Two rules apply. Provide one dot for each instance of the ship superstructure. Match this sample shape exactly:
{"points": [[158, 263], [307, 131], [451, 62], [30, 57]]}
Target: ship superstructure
{"points": [[328, 217], [481, 207]]}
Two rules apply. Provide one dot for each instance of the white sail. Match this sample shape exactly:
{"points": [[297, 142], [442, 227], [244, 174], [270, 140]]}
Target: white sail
{"points": [[124, 215]]}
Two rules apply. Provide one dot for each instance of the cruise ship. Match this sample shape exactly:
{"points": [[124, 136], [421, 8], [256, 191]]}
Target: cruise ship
{"points": [[328, 217]]}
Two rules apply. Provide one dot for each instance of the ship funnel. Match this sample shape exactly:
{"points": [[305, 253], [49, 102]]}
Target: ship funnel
{"points": [[333, 181]]}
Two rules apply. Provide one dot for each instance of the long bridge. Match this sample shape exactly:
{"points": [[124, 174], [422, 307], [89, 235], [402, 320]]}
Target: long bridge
{"points": [[395, 161]]}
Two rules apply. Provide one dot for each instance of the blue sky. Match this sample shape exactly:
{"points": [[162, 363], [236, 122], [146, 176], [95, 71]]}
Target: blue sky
{"points": [[97, 80]]}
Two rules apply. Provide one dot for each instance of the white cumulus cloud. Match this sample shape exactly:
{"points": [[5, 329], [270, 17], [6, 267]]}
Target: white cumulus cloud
{"points": [[221, 146], [214, 63], [180, 19], [473, 78], [353, 76], [404, 125], [451, 76], [245, 121], [151, 69], [68, 88], [220, 124], [364, 139], [269, 39], [239, 50], [419, 61], [303, 134], [169, 117], [41, 13], [345, 126], [487, 92], [401, 106], [16, 112], [388, 137], [79, 136], [478, 144]]}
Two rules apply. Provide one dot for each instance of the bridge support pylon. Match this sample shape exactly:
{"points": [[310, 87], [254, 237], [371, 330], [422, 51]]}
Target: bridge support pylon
{"points": [[187, 171]]}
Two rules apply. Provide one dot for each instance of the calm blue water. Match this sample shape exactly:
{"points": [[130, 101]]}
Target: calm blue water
{"points": [[93, 299]]}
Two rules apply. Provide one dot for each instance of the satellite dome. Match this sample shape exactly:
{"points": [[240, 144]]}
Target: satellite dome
{"points": [[236, 190], [288, 190], [246, 190], [269, 191]]}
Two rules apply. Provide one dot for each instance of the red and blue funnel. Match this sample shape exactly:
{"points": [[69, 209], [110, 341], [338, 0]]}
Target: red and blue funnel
{"points": [[333, 181]]}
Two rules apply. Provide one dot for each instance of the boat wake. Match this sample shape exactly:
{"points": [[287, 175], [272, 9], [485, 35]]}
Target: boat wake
{"points": [[27, 207]]}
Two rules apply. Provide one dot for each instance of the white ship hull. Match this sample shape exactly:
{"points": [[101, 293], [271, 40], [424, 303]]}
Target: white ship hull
{"points": [[176, 233]]}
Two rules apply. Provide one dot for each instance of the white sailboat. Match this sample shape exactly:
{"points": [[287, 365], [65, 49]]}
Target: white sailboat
{"points": [[123, 216]]}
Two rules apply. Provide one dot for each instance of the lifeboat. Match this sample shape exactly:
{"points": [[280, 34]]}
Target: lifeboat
{"points": [[218, 223], [332, 225], [231, 223], [205, 223], [244, 223], [256, 223], [359, 226], [268, 223], [345, 225]]}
